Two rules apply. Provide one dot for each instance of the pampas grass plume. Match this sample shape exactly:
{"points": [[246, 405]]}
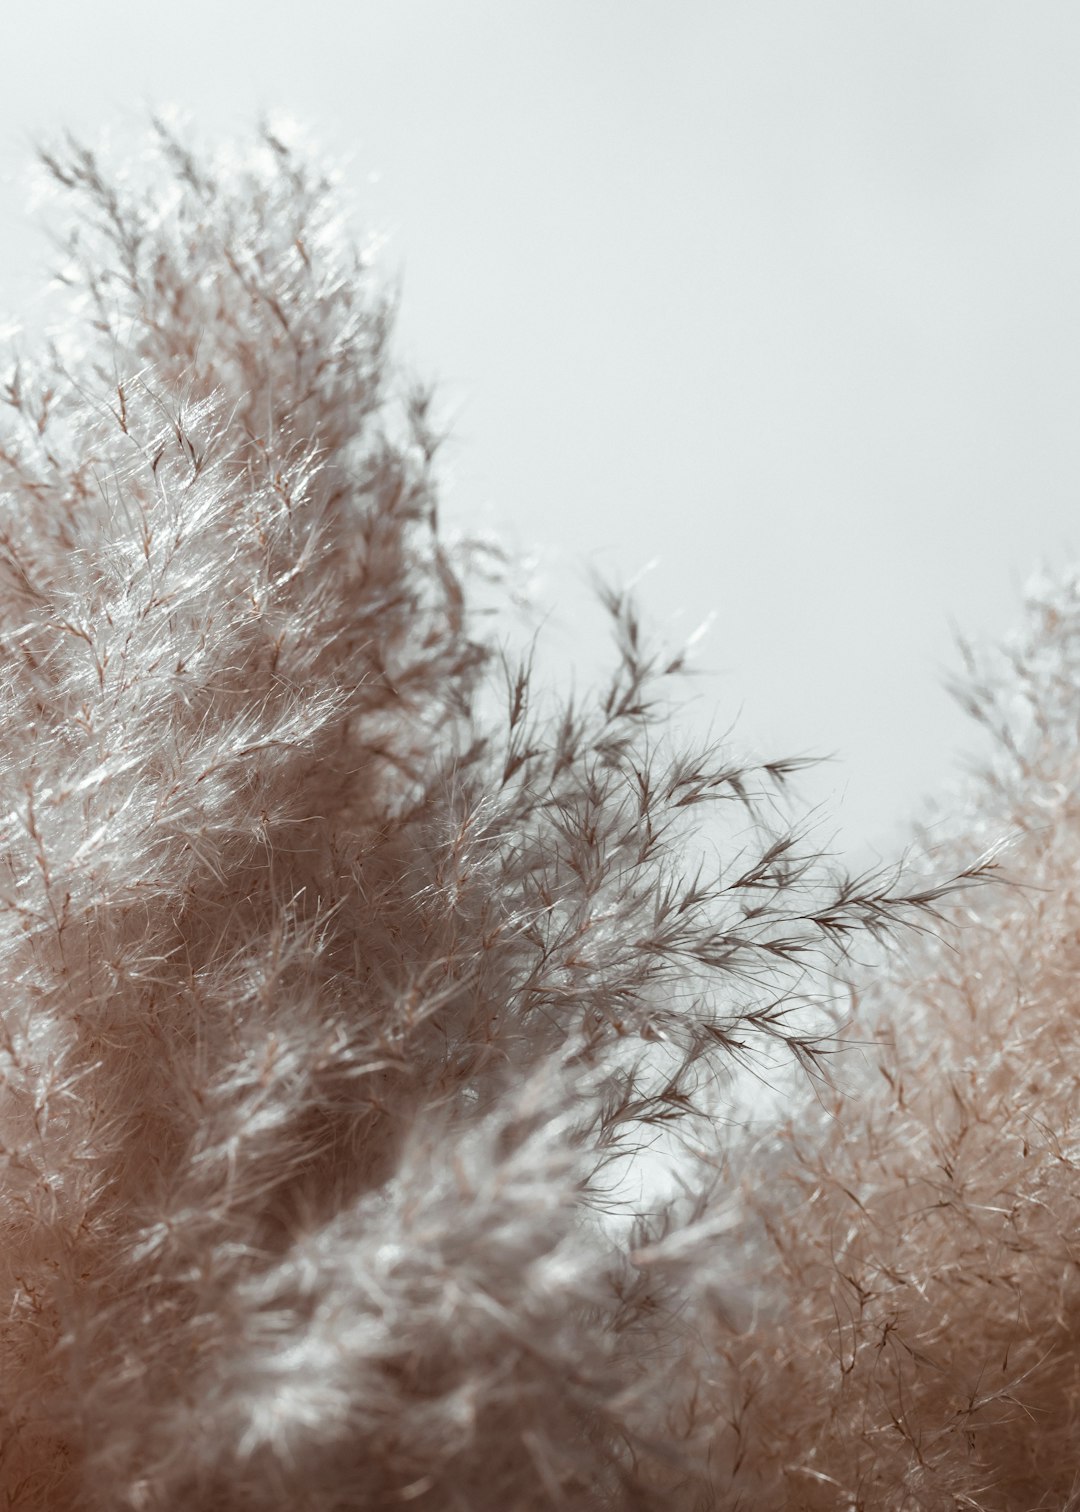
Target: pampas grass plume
{"points": [[352, 981]]}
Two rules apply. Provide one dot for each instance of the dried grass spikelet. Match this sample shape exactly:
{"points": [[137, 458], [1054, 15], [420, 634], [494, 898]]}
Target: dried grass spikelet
{"points": [[335, 1012], [917, 1339]]}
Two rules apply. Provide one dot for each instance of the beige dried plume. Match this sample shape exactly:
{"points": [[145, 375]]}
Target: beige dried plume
{"points": [[338, 1016]]}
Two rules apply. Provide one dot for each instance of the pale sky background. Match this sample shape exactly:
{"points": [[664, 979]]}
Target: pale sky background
{"points": [[783, 295]]}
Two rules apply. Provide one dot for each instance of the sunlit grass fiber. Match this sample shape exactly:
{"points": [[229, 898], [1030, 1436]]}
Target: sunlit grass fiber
{"points": [[340, 1012]]}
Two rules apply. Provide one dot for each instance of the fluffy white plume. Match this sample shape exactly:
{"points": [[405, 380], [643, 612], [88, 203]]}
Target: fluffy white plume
{"points": [[336, 1014]]}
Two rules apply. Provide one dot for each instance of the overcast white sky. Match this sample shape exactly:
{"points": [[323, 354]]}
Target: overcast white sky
{"points": [[783, 295]]}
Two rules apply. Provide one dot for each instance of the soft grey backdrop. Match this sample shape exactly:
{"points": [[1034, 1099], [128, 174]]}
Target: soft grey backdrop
{"points": [[781, 295]]}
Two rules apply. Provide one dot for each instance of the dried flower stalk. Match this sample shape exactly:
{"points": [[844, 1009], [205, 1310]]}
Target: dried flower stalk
{"points": [[338, 1015]]}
